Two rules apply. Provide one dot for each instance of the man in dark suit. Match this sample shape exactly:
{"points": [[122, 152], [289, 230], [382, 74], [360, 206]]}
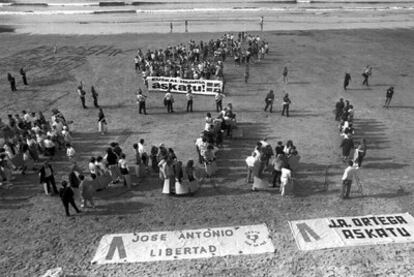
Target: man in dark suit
{"points": [[66, 194]]}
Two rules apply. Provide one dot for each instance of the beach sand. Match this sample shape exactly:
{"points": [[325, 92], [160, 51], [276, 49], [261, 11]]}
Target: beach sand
{"points": [[36, 235]]}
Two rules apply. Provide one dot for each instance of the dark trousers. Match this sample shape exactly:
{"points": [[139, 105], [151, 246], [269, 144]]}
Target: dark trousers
{"points": [[276, 177], [285, 109], [219, 106], [83, 102], [50, 181], [365, 81], [246, 77], [269, 104], [13, 85], [66, 205], [346, 188], [346, 84], [387, 102], [189, 105], [142, 107], [24, 80], [170, 106], [338, 114], [95, 102]]}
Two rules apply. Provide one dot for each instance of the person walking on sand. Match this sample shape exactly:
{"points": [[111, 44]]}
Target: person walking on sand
{"points": [[347, 178], [141, 102], [286, 103], [388, 97], [94, 96], [270, 97], [67, 196], [347, 79], [366, 74], [47, 178], [360, 153], [101, 122], [23, 73], [285, 75], [347, 145], [82, 95]]}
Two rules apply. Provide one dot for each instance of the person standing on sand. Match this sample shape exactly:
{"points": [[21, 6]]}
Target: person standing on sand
{"points": [[67, 196], [168, 101], [339, 109], [366, 74], [388, 97], [47, 177], [360, 153], [171, 27], [94, 96], [101, 122], [141, 102], [189, 96], [346, 80], [270, 97], [246, 73], [219, 101], [286, 103], [347, 144], [285, 75], [261, 23], [23, 73], [82, 95], [347, 178], [186, 26], [12, 82]]}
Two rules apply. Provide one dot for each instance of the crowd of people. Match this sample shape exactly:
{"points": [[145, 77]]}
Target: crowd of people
{"points": [[28, 135], [281, 162], [203, 60], [344, 113]]}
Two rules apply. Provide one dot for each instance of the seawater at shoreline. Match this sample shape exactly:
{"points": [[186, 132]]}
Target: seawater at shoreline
{"points": [[205, 17]]}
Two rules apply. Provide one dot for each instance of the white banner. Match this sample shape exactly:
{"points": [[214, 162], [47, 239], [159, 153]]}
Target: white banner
{"points": [[178, 85], [183, 244], [325, 233]]}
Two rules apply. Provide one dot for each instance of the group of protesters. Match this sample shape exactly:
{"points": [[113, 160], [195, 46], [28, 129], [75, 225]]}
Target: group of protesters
{"points": [[344, 113], [203, 60], [28, 135], [283, 162]]}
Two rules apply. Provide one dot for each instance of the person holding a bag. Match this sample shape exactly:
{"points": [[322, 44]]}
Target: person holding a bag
{"points": [[270, 97], [101, 122]]}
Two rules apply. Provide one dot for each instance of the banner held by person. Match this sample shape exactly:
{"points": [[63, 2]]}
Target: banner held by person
{"points": [[178, 85], [325, 233], [183, 244]]}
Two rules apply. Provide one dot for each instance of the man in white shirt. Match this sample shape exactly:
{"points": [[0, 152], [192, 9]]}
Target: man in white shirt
{"points": [[168, 101], [349, 175], [142, 152], [141, 102], [189, 96], [201, 147], [285, 177], [70, 151], [219, 100]]}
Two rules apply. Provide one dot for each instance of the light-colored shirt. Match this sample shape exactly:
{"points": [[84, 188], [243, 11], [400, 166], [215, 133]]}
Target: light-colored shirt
{"points": [[92, 168], [219, 97], [189, 96], [141, 149], [286, 174], [70, 152], [349, 173]]}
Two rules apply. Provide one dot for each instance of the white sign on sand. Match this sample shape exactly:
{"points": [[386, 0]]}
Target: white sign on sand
{"points": [[183, 244], [325, 233], [178, 85]]}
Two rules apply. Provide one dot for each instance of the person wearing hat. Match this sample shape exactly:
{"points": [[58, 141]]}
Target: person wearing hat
{"points": [[66, 195]]}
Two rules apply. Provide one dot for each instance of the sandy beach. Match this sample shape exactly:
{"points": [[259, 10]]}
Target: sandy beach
{"points": [[36, 234]]}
